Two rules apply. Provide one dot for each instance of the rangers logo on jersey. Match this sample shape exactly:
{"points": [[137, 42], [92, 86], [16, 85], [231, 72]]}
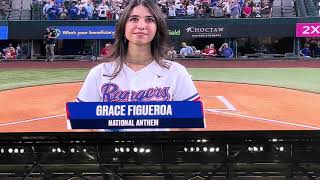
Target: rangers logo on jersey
{"points": [[112, 93]]}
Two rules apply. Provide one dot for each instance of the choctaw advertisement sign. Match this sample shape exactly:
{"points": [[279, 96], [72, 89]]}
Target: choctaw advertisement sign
{"points": [[205, 32], [196, 30]]}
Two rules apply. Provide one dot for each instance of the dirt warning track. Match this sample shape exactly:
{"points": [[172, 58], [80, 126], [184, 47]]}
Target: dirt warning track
{"points": [[228, 106]]}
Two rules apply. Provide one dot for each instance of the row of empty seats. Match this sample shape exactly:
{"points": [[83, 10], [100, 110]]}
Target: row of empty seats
{"points": [[306, 8], [283, 8]]}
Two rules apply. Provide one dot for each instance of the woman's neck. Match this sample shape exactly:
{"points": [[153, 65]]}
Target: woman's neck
{"points": [[140, 55]]}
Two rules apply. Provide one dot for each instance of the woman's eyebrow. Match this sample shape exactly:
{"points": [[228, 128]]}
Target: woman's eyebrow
{"points": [[140, 16]]}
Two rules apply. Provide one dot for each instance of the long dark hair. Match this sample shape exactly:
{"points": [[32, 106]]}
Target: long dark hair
{"points": [[158, 44]]}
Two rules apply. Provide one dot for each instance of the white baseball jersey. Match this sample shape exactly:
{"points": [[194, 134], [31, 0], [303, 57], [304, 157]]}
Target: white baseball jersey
{"points": [[152, 83]]}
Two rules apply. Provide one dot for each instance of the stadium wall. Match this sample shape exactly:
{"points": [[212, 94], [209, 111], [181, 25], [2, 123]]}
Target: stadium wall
{"points": [[181, 29]]}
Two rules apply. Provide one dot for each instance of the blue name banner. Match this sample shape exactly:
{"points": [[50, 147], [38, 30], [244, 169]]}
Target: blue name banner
{"points": [[85, 32], [133, 115], [3, 32]]}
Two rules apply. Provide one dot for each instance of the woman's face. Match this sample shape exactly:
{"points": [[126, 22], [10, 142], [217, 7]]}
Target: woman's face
{"points": [[140, 27]]}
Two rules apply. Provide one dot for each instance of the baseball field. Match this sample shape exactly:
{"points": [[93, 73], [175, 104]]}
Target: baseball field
{"points": [[248, 95]]}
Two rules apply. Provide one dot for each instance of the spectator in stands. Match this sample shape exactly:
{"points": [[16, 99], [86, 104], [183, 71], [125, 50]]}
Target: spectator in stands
{"points": [[205, 50], [217, 11], [317, 50], [196, 52], [164, 7], [226, 8], [172, 53], [186, 50], [305, 52], [172, 11], [83, 14], [246, 10], [209, 50], [234, 9], [105, 52], [256, 11], [52, 13], [95, 14], [110, 12], [46, 7], [117, 12], [73, 11], [102, 11], [78, 4], [3, 12], [59, 1], [190, 10], [213, 3], [10, 52], [63, 13], [206, 4], [197, 2], [89, 8], [200, 10], [226, 51], [18, 51], [256, 2], [265, 9], [182, 12], [178, 5]]}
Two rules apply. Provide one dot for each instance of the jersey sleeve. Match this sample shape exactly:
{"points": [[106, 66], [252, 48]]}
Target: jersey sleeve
{"points": [[185, 89], [89, 91]]}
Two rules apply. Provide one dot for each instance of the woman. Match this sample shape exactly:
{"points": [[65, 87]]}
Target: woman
{"points": [[246, 10], [136, 70]]}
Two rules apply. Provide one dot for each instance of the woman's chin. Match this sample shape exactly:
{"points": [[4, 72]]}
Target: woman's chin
{"points": [[141, 43]]}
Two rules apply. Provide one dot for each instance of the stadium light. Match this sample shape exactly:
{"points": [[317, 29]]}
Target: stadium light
{"points": [[205, 149], [279, 148], [72, 150], [197, 149], [122, 149], [135, 149], [191, 149], [255, 148], [211, 149], [141, 150], [185, 149], [201, 149], [11, 150]]}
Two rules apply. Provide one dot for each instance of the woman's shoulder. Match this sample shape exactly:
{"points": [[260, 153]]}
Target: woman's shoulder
{"points": [[105, 67]]}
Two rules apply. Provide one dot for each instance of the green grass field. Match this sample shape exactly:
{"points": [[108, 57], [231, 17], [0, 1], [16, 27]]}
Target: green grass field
{"points": [[306, 79]]}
